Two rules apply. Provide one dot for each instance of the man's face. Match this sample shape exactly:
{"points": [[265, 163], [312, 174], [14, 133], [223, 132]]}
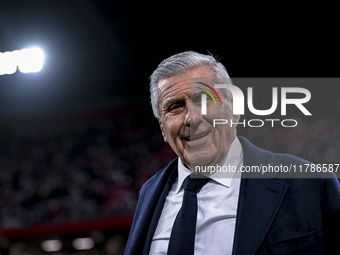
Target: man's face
{"points": [[190, 134]]}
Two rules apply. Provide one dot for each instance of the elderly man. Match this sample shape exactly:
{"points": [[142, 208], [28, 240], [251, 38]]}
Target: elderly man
{"points": [[234, 214]]}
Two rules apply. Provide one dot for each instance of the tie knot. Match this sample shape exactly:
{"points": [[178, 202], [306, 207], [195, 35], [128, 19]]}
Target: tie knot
{"points": [[195, 184]]}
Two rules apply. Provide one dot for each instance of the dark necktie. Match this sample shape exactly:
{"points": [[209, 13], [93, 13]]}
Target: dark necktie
{"points": [[182, 238]]}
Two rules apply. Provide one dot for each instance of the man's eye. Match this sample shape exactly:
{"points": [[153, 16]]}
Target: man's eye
{"points": [[174, 107]]}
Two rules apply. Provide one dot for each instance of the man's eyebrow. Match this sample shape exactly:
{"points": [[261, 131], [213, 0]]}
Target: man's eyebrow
{"points": [[173, 101]]}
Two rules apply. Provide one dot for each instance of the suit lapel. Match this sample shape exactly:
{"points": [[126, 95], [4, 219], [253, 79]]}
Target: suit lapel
{"points": [[158, 211], [259, 202], [140, 229]]}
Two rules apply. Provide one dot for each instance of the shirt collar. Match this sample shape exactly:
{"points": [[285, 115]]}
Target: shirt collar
{"points": [[234, 158], [183, 173]]}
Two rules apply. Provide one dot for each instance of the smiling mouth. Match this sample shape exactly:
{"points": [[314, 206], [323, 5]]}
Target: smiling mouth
{"points": [[196, 137]]}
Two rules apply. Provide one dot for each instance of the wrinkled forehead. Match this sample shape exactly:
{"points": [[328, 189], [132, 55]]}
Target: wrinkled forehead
{"points": [[203, 82], [190, 86], [191, 83]]}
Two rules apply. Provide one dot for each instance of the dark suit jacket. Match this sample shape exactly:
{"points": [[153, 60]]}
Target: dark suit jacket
{"points": [[274, 216]]}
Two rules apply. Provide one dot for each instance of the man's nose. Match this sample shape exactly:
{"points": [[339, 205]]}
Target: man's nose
{"points": [[193, 116]]}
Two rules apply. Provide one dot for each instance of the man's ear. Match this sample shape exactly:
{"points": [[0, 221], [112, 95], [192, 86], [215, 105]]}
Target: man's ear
{"points": [[161, 126]]}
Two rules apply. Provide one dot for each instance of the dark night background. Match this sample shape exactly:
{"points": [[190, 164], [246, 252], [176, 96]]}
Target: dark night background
{"points": [[80, 134], [102, 52]]}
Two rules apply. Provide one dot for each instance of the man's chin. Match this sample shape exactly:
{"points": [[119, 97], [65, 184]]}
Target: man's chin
{"points": [[199, 159]]}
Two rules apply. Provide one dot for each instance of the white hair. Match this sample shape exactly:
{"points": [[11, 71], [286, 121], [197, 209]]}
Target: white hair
{"points": [[180, 63]]}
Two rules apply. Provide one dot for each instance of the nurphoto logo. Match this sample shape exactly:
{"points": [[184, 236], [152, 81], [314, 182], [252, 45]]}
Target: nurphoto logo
{"points": [[239, 104]]}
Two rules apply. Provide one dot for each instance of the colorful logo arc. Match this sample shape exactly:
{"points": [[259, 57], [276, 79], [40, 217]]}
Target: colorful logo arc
{"points": [[212, 89]]}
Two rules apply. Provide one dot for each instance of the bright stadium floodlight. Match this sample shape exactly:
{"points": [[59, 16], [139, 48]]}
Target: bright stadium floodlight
{"points": [[29, 60], [8, 62]]}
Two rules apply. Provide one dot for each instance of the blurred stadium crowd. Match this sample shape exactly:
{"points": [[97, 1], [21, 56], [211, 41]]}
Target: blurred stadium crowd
{"points": [[59, 173]]}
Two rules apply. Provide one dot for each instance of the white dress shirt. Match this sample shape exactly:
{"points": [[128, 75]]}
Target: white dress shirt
{"points": [[217, 207]]}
